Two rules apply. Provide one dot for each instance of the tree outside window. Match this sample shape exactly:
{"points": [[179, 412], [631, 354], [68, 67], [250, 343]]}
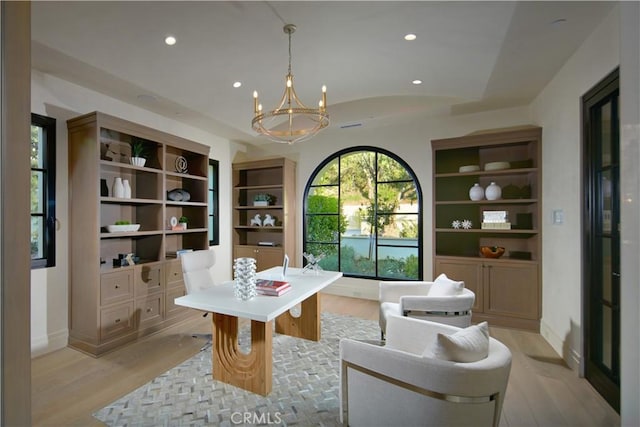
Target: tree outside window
{"points": [[363, 213]]}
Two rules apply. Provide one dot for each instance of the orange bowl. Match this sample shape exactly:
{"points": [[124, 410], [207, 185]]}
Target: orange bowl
{"points": [[492, 251]]}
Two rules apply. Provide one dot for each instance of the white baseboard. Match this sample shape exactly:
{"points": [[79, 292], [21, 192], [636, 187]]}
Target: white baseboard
{"points": [[51, 342], [355, 288], [572, 358]]}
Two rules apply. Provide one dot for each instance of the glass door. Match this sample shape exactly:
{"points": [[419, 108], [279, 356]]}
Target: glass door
{"points": [[602, 239]]}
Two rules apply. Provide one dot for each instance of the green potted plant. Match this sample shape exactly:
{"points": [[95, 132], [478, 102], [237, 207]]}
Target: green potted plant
{"points": [[138, 152], [262, 199], [183, 222]]}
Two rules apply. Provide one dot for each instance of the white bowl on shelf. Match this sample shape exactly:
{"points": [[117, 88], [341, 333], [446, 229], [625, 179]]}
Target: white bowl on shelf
{"points": [[496, 166], [469, 168], [123, 228]]}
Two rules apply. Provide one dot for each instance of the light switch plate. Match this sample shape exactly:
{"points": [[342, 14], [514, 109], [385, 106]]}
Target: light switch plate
{"points": [[558, 216]]}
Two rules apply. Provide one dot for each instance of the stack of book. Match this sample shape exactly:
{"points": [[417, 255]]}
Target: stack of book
{"points": [[495, 220], [272, 287], [176, 254]]}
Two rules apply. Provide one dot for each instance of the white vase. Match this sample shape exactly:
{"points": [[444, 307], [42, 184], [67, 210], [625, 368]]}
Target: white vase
{"points": [[127, 189], [493, 191], [118, 188], [476, 192], [244, 275]]}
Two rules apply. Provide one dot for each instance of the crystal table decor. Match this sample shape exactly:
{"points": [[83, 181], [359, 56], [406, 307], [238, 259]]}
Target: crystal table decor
{"points": [[244, 274]]}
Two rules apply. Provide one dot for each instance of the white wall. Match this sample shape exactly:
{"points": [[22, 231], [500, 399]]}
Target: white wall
{"points": [[630, 213], [62, 100], [557, 110]]}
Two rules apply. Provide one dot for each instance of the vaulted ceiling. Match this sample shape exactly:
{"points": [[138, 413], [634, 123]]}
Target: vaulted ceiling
{"points": [[470, 56]]}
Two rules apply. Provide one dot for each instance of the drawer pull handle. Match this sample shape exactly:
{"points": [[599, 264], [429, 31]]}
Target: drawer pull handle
{"points": [[117, 321], [149, 310], [117, 286]]}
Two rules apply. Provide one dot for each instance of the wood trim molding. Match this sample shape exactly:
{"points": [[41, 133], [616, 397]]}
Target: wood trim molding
{"points": [[15, 264]]}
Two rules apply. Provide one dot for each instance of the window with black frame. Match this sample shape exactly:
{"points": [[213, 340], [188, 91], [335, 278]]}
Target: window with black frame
{"points": [[43, 191], [214, 219], [362, 215]]}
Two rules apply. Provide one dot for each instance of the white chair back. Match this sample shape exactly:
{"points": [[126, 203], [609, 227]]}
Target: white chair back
{"points": [[197, 270]]}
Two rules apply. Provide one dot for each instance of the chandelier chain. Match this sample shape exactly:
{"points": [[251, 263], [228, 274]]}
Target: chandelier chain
{"points": [[289, 51]]}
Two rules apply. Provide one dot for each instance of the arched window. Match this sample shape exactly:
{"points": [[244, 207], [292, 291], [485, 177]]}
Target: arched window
{"points": [[363, 214]]}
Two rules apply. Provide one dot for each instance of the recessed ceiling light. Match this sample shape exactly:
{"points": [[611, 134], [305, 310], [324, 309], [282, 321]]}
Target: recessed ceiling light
{"points": [[237, 84], [410, 37], [170, 40], [417, 82]]}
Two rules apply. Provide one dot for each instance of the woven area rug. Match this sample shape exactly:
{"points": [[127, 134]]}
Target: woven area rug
{"points": [[306, 381]]}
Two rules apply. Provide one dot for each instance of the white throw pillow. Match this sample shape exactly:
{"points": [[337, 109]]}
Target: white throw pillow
{"points": [[467, 345], [445, 287]]}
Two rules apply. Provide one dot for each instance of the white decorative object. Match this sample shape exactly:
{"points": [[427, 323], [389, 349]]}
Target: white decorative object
{"points": [[122, 228], [466, 224], [456, 224], [269, 220], [476, 192], [313, 263], [493, 191], [256, 220], [118, 188], [496, 166], [469, 168], [173, 221], [138, 161], [244, 275], [130, 260], [181, 164], [127, 189]]}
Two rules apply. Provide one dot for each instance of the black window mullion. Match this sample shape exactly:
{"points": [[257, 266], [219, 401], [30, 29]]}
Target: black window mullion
{"points": [[47, 191], [213, 213]]}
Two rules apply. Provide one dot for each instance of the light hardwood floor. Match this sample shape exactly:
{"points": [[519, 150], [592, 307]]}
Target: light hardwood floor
{"points": [[68, 386]]}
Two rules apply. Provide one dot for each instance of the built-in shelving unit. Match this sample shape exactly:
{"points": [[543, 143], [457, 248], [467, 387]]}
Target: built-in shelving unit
{"points": [[508, 288], [111, 304], [275, 177]]}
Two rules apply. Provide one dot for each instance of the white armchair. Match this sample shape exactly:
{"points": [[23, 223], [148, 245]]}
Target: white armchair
{"points": [[402, 383], [443, 300]]}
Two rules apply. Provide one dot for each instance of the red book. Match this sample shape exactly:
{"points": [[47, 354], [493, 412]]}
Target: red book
{"points": [[272, 287]]}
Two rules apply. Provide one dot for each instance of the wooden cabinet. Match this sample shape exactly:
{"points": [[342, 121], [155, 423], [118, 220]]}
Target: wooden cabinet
{"points": [[175, 288], [110, 304], [507, 289], [275, 178], [265, 256], [507, 292]]}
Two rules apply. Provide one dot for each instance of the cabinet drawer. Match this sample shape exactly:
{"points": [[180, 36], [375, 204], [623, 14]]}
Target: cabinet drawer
{"points": [[173, 271], [172, 308], [149, 278], [150, 310], [115, 321], [116, 286]]}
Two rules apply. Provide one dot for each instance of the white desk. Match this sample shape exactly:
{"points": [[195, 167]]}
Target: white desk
{"points": [[253, 371]]}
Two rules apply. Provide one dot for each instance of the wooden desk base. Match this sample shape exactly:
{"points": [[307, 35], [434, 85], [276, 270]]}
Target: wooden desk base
{"points": [[251, 371], [254, 371], [306, 326]]}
